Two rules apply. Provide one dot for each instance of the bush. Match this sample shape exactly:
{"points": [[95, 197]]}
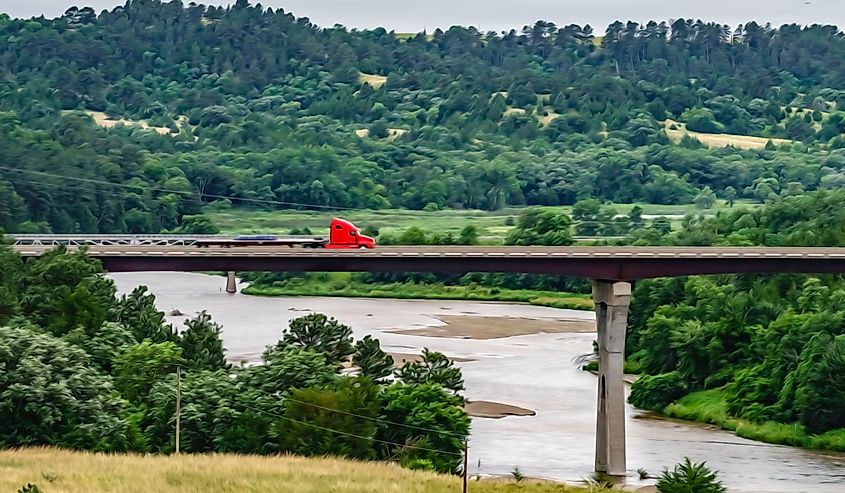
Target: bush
{"points": [[654, 392], [688, 477], [53, 395], [438, 426]]}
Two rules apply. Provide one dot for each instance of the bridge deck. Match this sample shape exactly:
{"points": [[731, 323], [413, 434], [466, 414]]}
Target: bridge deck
{"points": [[610, 263]]}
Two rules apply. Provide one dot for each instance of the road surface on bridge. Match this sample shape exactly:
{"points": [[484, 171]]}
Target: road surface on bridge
{"points": [[608, 263]]}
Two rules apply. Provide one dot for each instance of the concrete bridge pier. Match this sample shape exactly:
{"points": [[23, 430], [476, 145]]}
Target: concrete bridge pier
{"points": [[231, 282], [612, 300]]}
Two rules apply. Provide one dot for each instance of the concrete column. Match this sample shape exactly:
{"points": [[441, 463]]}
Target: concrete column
{"points": [[612, 300], [231, 282]]}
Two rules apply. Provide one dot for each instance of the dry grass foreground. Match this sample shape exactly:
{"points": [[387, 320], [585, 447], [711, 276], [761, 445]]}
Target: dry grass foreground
{"points": [[59, 471]]}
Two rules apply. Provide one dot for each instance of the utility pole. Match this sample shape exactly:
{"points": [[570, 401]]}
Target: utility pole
{"points": [[466, 457], [178, 404]]}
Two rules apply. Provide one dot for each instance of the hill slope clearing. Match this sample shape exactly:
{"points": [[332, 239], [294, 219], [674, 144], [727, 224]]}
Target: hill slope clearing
{"points": [[719, 140]]}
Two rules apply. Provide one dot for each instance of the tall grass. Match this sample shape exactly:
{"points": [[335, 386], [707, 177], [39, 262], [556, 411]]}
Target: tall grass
{"points": [[710, 406], [56, 471]]}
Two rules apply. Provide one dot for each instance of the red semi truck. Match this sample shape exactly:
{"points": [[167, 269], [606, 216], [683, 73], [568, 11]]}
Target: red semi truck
{"points": [[342, 235]]}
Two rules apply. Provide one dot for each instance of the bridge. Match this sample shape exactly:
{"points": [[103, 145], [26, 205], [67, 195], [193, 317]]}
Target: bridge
{"points": [[611, 269]]}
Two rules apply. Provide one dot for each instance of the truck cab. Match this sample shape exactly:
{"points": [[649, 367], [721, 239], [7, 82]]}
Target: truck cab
{"points": [[344, 234]]}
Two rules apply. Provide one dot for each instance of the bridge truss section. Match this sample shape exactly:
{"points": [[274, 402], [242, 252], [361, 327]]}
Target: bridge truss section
{"points": [[108, 240]]}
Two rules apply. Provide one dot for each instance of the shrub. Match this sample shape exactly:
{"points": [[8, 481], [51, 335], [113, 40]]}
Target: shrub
{"points": [[688, 477], [654, 392]]}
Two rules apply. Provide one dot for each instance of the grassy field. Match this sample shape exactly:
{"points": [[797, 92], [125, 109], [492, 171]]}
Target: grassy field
{"points": [[710, 406], [719, 140], [56, 471], [340, 284], [492, 225], [373, 80]]}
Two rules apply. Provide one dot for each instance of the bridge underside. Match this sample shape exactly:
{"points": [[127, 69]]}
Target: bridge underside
{"points": [[617, 269]]}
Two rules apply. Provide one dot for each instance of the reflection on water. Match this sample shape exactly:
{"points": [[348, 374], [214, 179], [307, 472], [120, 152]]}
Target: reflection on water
{"points": [[537, 372]]}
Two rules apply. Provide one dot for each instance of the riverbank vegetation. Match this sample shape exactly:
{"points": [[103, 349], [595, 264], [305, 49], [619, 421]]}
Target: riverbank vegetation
{"points": [[761, 355], [711, 406], [84, 369], [138, 118], [359, 286]]}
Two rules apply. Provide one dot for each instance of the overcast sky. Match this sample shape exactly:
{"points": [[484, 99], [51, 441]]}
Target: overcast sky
{"points": [[414, 16]]}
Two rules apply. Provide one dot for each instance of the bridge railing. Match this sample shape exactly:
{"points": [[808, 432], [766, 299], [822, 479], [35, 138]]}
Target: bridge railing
{"points": [[124, 240]]}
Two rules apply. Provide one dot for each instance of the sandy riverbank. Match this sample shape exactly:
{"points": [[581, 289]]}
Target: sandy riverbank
{"points": [[482, 328]]}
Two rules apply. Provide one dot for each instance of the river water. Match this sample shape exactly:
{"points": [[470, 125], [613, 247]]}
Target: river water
{"points": [[537, 372]]}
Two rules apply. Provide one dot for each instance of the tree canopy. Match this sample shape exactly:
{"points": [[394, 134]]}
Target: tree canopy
{"points": [[134, 118]]}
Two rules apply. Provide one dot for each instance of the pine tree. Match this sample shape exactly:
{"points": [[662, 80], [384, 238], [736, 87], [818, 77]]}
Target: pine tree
{"points": [[201, 345], [371, 360]]}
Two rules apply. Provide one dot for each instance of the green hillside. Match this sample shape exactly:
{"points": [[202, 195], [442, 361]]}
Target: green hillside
{"points": [[131, 119]]}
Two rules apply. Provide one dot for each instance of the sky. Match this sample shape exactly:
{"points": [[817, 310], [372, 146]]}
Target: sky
{"points": [[498, 15]]}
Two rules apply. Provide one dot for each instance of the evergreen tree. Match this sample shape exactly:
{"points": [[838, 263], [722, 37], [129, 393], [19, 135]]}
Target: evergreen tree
{"points": [[201, 345]]}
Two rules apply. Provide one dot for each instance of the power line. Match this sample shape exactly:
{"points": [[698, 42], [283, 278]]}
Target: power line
{"points": [[420, 214], [378, 420], [353, 435], [66, 188], [181, 192], [387, 442]]}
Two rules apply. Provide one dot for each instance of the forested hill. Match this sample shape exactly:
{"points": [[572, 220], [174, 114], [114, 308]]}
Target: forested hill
{"points": [[130, 119]]}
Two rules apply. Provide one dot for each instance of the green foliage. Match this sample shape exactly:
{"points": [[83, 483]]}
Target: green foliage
{"points": [[434, 368], [104, 344], [30, 488], [820, 384], [538, 227], [469, 235], [137, 311], [773, 345], [209, 401], [657, 391], [554, 290], [286, 368], [322, 334], [53, 395], [96, 387], [539, 117], [335, 421], [63, 291], [371, 360], [702, 120], [593, 219], [689, 477], [141, 366], [196, 225], [437, 422], [202, 348]]}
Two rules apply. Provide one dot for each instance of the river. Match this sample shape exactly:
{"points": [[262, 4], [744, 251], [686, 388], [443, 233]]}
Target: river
{"points": [[536, 372]]}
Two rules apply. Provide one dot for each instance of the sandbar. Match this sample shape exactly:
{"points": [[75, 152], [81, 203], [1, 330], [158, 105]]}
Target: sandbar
{"points": [[480, 327], [495, 410]]}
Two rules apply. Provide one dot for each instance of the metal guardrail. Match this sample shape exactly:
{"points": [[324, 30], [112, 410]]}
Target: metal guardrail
{"points": [[52, 240]]}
